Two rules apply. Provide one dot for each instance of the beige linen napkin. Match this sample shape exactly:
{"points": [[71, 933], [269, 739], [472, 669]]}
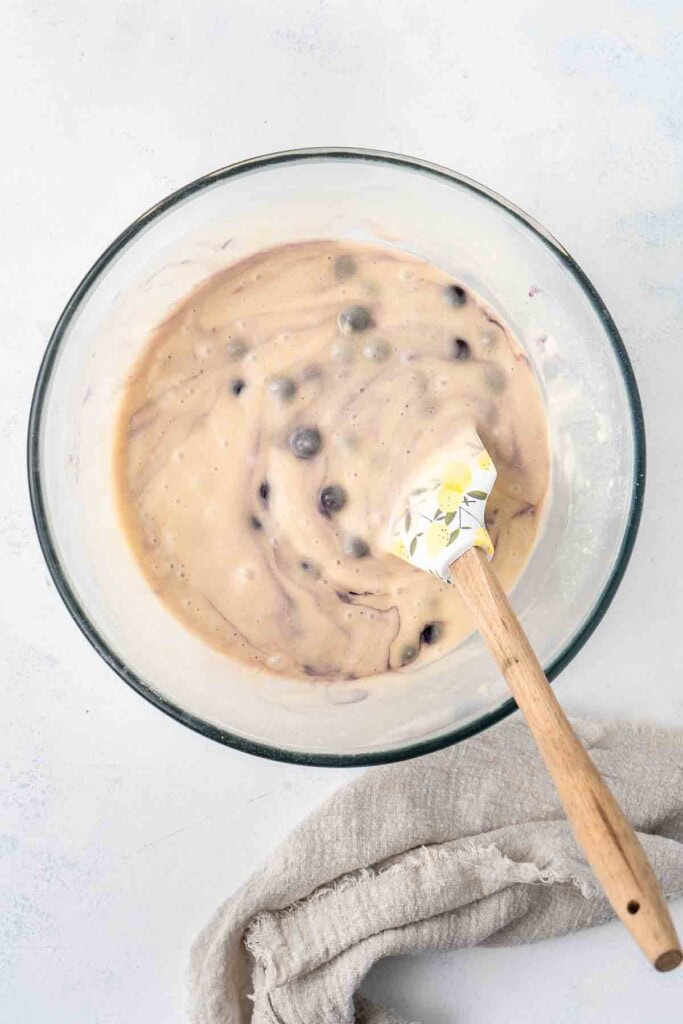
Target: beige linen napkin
{"points": [[464, 847]]}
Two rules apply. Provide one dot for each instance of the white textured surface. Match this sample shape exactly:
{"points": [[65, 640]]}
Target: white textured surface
{"points": [[120, 830]]}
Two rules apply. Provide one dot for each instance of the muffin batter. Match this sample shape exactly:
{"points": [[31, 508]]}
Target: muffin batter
{"points": [[268, 427]]}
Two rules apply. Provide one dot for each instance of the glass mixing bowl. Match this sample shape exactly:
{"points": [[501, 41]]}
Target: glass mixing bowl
{"points": [[594, 416]]}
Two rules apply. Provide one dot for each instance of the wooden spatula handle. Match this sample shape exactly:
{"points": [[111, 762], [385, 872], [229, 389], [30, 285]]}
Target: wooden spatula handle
{"points": [[608, 840]]}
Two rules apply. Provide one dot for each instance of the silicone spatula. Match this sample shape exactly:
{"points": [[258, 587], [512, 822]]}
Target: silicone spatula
{"points": [[438, 525]]}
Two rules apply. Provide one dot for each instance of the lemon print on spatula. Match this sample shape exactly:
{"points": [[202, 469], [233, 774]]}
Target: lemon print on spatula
{"points": [[441, 514], [457, 477]]}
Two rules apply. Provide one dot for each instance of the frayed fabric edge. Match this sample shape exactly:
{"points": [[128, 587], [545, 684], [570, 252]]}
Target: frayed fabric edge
{"points": [[261, 938]]}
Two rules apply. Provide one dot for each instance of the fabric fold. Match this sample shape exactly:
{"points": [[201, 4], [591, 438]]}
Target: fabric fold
{"points": [[464, 847]]}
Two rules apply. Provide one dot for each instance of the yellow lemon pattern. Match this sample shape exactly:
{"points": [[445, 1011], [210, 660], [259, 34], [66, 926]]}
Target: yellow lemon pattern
{"points": [[444, 515], [449, 499], [482, 540], [399, 549], [436, 538], [457, 477]]}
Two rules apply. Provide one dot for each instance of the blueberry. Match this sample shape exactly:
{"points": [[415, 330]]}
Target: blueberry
{"points": [[431, 633], [237, 385], [264, 492], [256, 523], [236, 348], [331, 499], [354, 318], [458, 348], [356, 547], [455, 295], [344, 266], [305, 442], [408, 654], [311, 569], [283, 387], [376, 350]]}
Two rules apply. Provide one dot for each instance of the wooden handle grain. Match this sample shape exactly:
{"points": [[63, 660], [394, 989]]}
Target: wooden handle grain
{"points": [[608, 840]]}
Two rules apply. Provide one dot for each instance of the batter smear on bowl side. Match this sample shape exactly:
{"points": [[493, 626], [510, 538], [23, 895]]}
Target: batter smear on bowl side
{"points": [[267, 427]]}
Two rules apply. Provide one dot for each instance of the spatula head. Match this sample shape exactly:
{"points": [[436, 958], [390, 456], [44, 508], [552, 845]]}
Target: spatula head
{"points": [[440, 513]]}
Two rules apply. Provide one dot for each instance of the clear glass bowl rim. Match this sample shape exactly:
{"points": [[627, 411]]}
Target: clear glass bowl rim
{"points": [[39, 509]]}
